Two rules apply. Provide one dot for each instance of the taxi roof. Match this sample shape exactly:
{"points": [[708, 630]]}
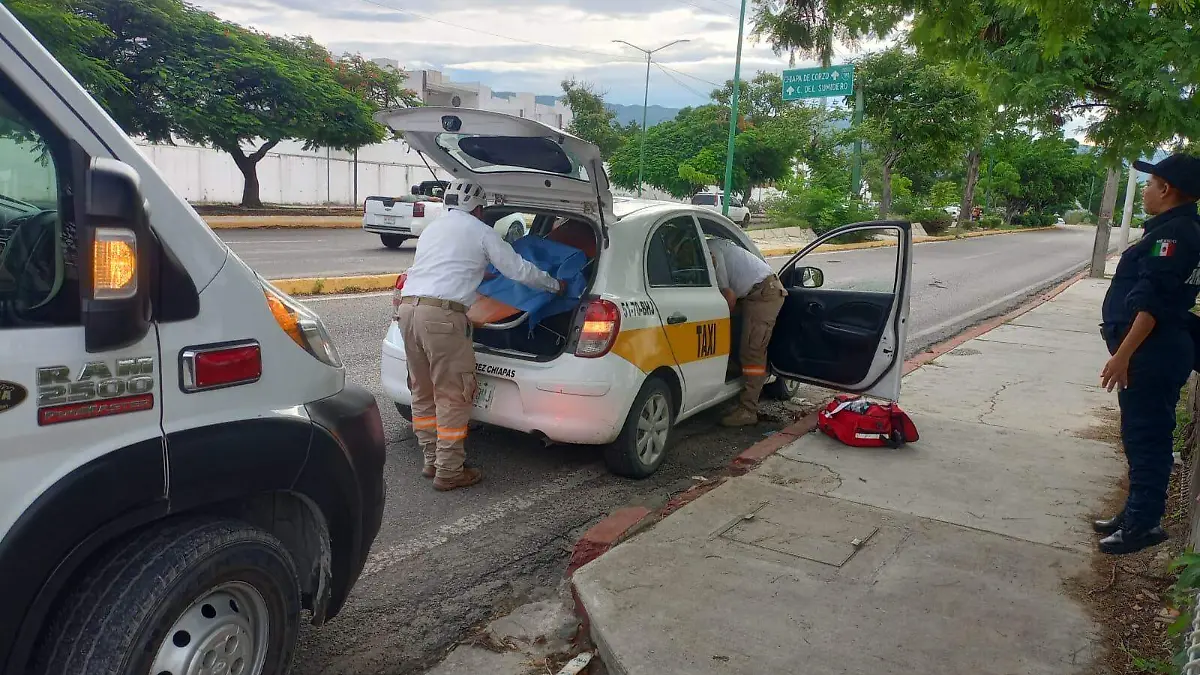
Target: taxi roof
{"points": [[624, 207]]}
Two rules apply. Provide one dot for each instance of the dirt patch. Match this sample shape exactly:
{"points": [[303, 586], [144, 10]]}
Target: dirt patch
{"points": [[1107, 430], [1129, 596]]}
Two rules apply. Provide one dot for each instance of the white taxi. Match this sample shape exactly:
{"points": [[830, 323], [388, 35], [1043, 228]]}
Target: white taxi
{"points": [[652, 341]]}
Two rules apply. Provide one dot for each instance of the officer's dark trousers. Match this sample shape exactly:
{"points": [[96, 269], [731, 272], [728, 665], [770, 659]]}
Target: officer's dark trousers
{"points": [[1157, 371]]}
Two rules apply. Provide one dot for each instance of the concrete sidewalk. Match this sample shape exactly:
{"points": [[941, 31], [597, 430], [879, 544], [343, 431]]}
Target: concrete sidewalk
{"points": [[947, 556]]}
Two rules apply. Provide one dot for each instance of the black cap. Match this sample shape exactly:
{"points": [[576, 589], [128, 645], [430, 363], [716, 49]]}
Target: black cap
{"points": [[1181, 171]]}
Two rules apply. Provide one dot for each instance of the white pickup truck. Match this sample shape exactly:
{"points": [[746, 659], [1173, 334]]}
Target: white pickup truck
{"points": [[713, 201], [398, 219]]}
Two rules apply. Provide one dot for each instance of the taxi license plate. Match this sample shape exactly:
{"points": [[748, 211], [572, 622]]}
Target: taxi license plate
{"points": [[483, 395], [389, 220]]}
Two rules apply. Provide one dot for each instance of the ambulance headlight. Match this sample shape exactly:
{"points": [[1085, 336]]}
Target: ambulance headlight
{"points": [[301, 324]]}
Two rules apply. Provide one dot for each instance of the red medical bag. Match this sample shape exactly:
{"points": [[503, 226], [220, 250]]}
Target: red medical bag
{"points": [[856, 421]]}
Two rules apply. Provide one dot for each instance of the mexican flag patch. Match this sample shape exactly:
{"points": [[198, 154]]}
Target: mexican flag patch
{"points": [[1163, 248]]}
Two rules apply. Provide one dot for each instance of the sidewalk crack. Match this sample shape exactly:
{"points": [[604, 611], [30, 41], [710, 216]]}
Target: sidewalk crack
{"points": [[994, 399]]}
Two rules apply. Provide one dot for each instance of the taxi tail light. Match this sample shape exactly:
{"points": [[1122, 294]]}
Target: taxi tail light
{"points": [[114, 264], [396, 293], [205, 368], [601, 323], [418, 210]]}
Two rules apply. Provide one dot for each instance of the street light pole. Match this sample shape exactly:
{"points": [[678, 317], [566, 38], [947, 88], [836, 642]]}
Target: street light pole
{"points": [[733, 112], [646, 103]]}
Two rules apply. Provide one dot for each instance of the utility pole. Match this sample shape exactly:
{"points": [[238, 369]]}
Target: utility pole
{"points": [[646, 103], [733, 112], [1127, 213], [1107, 203], [856, 165]]}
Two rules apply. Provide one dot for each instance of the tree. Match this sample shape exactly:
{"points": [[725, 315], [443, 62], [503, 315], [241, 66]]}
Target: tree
{"points": [[1036, 174], [1046, 59], [237, 87], [382, 88], [592, 120], [943, 194], [668, 146], [187, 74], [913, 110], [76, 41]]}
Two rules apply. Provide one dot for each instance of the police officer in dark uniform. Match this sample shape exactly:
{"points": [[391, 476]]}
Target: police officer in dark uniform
{"points": [[1146, 331]]}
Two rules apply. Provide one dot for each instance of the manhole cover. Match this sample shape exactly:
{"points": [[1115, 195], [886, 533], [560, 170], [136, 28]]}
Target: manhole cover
{"points": [[830, 541]]}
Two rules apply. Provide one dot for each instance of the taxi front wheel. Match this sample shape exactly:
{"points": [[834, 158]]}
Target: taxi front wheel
{"points": [[643, 443]]}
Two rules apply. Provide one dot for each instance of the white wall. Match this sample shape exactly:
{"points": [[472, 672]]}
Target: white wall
{"points": [[291, 175]]}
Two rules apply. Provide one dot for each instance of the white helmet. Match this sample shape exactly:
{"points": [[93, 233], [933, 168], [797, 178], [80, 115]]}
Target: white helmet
{"points": [[464, 197]]}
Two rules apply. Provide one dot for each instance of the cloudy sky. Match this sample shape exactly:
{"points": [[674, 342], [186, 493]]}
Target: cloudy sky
{"points": [[530, 45]]}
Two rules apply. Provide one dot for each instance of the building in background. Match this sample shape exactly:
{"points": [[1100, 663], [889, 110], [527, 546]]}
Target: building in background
{"points": [[433, 88]]}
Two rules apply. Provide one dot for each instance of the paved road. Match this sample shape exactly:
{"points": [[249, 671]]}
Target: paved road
{"points": [[287, 253], [444, 563]]}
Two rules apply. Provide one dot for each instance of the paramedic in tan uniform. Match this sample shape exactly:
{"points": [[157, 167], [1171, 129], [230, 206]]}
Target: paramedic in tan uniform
{"points": [[453, 254], [746, 279]]}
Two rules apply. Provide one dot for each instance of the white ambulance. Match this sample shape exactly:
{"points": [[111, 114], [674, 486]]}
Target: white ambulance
{"points": [[183, 467], [651, 342]]}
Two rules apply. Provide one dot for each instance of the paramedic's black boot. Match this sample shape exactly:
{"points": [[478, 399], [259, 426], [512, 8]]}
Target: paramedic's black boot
{"points": [[1109, 525], [1132, 541]]}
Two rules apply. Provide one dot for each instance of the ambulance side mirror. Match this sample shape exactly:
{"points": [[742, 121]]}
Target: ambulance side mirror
{"points": [[116, 257]]}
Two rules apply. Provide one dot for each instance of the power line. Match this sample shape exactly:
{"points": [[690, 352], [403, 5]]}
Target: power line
{"points": [[698, 79], [573, 50], [676, 81]]}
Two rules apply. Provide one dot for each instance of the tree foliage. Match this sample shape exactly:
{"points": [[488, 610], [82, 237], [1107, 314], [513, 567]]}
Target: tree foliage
{"points": [[688, 153], [592, 120], [1035, 174], [916, 111], [1133, 67], [172, 71]]}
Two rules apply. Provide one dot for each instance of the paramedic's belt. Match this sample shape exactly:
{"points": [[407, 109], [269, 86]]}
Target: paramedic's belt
{"points": [[434, 302]]}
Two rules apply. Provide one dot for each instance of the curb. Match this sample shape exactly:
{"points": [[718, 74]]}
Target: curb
{"points": [[283, 222], [825, 248], [333, 285]]}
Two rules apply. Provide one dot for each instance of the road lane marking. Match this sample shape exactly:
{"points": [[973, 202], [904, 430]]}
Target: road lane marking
{"points": [[381, 560]]}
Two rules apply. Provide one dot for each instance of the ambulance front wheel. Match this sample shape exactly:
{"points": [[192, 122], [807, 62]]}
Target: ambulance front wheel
{"points": [[196, 596], [405, 411], [646, 436]]}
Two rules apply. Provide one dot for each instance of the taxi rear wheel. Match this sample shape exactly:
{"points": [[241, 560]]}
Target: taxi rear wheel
{"points": [[646, 436]]}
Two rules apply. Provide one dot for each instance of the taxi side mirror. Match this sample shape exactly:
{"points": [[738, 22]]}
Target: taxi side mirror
{"points": [[117, 258], [811, 277]]}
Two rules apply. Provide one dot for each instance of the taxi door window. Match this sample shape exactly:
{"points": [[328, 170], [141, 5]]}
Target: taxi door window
{"points": [[676, 255], [39, 284]]}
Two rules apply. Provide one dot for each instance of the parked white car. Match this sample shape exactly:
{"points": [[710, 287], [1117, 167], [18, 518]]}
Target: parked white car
{"points": [[652, 341], [713, 201], [398, 219]]}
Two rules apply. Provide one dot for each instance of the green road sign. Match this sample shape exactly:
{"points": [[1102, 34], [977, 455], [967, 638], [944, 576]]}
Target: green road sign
{"points": [[818, 82]]}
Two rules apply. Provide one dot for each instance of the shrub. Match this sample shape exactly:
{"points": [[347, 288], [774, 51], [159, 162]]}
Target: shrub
{"points": [[820, 208], [991, 222], [935, 221]]}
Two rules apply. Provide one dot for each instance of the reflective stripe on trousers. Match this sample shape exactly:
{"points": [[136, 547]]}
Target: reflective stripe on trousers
{"points": [[441, 376]]}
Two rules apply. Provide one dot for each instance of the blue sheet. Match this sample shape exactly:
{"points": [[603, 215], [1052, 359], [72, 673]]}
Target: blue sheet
{"points": [[559, 261]]}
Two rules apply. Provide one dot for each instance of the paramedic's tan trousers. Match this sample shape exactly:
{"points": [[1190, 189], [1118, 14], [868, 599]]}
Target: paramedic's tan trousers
{"points": [[760, 309], [441, 377]]}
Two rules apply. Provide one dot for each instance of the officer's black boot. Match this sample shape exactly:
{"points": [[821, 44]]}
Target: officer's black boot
{"points": [[1109, 525], [1131, 541]]}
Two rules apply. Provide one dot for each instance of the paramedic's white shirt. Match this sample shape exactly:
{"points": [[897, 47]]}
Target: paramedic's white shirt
{"points": [[453, 254], [737, 269]]}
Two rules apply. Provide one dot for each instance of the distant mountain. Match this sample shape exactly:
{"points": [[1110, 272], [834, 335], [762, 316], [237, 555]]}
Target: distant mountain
{"points": [[633, 113], [544, 100]]}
